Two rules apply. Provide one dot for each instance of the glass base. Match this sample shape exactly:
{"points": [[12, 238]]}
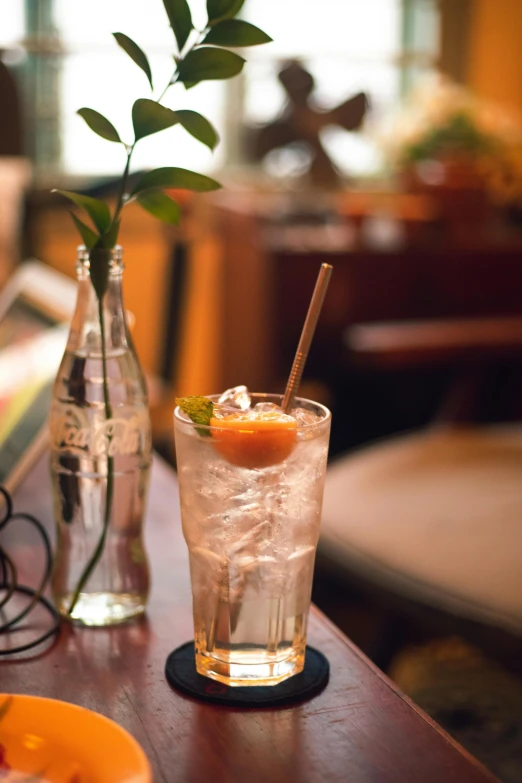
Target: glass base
{"points": [[100, 609], [247, 670]]}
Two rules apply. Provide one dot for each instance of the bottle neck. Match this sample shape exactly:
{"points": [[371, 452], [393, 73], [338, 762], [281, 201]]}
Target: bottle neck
{"points": [[86, 332], [115, 262]]}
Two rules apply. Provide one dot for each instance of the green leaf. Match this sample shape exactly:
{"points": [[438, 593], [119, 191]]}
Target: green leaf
{"points": [[180, 20], [97, 210], [209, 63], [87, 234], [190, 85], [235, 8], [199, 409], [172, 177], [161, 206], [199, 127], [150, 117], [223, 9], [135, 53], [100, 124], [235, 32], [99, 258]]}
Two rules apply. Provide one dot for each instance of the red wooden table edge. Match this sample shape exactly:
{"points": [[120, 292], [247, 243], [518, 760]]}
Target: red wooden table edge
{"points": [[332, 628]]}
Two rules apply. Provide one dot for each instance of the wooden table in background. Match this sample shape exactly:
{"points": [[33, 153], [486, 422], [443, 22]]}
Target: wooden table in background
{"points": [[359, 730]]}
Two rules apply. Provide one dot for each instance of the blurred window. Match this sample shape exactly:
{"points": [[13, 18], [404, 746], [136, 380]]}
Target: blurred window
{"points": [[71, 60], [12, 22]]}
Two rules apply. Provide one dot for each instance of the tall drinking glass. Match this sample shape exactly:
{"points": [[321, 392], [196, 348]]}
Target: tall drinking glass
{"points": [[251, 508]]}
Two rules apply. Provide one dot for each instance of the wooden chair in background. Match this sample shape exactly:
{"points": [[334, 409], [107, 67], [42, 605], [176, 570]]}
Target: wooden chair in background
{"points": [[429, 524]]}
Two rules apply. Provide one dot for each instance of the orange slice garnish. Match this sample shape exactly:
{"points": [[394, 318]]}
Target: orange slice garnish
{"points": [[254, 440]]}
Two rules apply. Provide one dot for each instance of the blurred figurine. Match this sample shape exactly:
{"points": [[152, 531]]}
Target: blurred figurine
{"points": [[302, 123]]}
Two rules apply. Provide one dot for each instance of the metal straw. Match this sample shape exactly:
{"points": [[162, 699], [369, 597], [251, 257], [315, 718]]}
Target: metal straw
{"points": [[307, 334]]}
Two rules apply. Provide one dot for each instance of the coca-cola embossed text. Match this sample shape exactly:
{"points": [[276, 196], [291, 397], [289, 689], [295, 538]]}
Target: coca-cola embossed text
{"points": [[77, 430]]}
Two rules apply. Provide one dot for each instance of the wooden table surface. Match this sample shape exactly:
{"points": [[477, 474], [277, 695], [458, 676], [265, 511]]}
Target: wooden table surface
{"points": [[358, 730]]}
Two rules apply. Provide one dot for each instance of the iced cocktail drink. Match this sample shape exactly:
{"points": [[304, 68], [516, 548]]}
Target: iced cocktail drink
{"points": [[251, 488]]}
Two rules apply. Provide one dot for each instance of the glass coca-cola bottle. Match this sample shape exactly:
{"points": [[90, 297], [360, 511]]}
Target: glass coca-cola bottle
{"points": [[100, 459]]}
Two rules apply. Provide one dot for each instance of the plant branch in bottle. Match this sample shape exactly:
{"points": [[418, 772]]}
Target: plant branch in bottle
{"points": [[199, 55]]}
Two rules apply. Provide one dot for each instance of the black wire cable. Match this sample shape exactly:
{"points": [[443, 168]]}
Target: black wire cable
{"points": [[9, 582]]}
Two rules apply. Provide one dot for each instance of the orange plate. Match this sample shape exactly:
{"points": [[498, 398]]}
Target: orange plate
{"points": [[57, 742]]}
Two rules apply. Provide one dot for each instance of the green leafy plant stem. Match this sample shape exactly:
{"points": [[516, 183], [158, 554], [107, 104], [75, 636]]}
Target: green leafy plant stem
{"points": [[125, 177], [130, 150], [123, 186], [93, 562], [173, 80], [207, 63]]}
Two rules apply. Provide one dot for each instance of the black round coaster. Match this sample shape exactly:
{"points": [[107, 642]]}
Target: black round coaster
{"points": [[180, 671]]}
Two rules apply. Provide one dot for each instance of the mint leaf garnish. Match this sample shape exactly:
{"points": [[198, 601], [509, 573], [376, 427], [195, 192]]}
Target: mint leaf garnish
{"points": [[199, 409]]}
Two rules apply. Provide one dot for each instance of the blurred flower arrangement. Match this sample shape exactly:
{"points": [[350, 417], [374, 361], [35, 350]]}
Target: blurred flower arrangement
{"points": [[442, 121]]}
